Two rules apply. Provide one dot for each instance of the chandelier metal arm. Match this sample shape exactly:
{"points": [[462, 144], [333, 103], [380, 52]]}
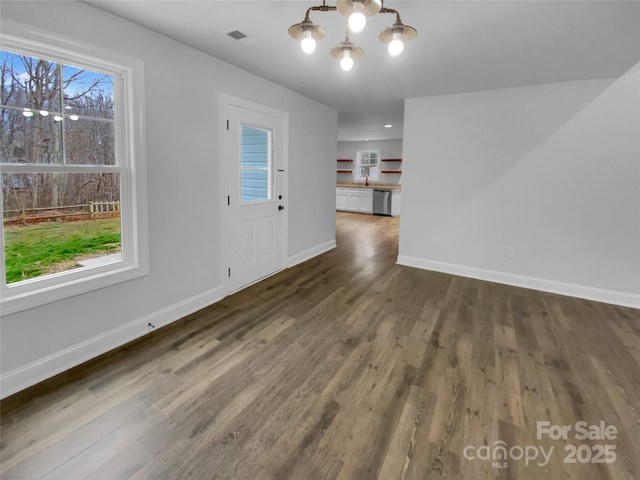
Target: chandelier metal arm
{"points": [[391, 10], [329, 8], [319, 8]]}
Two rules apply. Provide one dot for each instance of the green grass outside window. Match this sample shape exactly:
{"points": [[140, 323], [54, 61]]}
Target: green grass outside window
{"points": [[34, 250]]}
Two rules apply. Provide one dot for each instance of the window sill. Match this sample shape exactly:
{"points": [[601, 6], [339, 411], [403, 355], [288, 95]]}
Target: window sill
{"points": [[23, 296]]}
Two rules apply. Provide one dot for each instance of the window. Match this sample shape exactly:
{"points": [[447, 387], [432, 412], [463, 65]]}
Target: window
{"points": [[368, 165], [255, 164], [72, 210]]}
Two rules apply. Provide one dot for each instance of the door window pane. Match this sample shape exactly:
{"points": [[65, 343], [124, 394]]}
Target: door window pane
{"points": [[255, 164]]}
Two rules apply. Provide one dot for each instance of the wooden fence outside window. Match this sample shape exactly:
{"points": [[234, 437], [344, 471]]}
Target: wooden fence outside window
{"points": [[67, 213]]}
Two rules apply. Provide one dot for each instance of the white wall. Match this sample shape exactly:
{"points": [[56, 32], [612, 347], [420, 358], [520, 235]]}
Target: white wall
{"points": [[183, 88], [552, 171], [388, 149]]}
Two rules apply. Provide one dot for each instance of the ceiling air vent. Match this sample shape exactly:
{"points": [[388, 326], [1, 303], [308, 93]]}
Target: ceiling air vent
{"points": [[236, 35]]}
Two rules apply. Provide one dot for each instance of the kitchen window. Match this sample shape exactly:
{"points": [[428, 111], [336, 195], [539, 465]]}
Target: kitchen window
{"points": [[367, 165], [71, 169]]}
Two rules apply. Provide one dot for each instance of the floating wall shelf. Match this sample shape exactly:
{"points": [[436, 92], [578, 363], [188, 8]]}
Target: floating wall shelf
{"points": [[348, 160], [393, 172], [344, 160]]}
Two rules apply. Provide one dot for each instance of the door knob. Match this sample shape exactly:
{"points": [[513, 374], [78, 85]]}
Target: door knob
{"points": [[280, 207]]}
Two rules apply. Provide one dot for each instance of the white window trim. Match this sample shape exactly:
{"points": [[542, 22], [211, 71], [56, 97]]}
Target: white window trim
{"points": [[356, 173], [131, 155]]}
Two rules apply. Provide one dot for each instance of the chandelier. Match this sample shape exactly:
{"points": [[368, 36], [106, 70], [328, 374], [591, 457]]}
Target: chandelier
{"points": [[357, 12]]}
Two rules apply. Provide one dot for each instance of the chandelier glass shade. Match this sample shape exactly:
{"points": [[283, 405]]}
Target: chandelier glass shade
{"points": [[347, 53], [396, 36], [357, 12]]}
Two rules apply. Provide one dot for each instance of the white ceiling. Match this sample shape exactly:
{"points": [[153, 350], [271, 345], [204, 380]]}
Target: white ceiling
{"points": [[461, 46]]}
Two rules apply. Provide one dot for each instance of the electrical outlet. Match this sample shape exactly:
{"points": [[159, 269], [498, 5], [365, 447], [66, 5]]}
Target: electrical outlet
{"points": [[508, 252]]}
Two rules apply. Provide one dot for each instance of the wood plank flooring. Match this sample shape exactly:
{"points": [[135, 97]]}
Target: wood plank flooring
{"points": [[347, 366]]}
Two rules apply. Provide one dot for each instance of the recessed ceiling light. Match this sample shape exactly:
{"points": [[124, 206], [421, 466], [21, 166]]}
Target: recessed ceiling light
{"points": [[388, 125]]}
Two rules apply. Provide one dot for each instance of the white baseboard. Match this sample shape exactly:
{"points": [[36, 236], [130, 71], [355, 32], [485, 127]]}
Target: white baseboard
{"points": [[310, 253], [573, 290], [39, 370]]}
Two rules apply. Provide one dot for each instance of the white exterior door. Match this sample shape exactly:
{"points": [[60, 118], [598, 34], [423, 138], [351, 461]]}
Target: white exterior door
{"points": [[254, 150]]}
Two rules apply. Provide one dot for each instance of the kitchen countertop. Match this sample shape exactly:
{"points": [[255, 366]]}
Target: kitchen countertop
{"points": [[390, 186]]}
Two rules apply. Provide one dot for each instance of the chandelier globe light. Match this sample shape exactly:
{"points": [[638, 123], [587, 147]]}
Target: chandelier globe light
{"points": [[308, 33], [357, 12], [396, 36], [346, 52]]}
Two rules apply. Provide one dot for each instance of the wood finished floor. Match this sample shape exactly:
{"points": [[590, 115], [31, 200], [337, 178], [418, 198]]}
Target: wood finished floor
{"points": [[345, 367]]}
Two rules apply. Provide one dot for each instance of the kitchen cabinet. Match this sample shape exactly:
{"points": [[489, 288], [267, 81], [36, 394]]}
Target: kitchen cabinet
{"points": [[396, 196], [342, 196], [359, 200]]}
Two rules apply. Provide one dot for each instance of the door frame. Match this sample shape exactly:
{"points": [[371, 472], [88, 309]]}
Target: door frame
{"points": [[225, 101]]}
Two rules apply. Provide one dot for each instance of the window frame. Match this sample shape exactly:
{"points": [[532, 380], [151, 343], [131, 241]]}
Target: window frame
{"points": [[359, 155], [130, 164]]}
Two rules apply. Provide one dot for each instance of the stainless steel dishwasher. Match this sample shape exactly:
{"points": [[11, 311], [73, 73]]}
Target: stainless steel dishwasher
{"points": [[381, 202]]}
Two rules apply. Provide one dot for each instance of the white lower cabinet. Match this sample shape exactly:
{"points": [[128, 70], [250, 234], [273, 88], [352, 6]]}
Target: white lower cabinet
{"points": [[342, 198], [395, 203], [358, 200]]}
